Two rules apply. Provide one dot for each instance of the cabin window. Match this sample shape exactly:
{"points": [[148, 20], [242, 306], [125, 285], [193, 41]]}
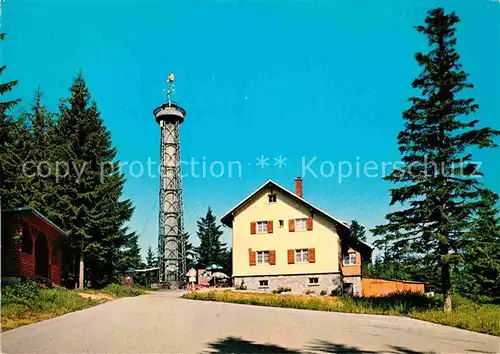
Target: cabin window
{"points": [[263, 283], [350, 259], [300, 224], [313, 281], [262, 257], [301, 256], [281, 223], [272, 197], [261, 227]]}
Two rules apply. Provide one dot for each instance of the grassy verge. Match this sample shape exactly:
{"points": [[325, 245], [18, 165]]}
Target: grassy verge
{"points": [[467, 315], [26, 302], [115, 291]]}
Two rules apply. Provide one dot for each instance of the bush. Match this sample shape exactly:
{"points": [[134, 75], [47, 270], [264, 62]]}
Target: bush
{"points": [[323, 292], [309, 292], [26, 292], [281, 290]]}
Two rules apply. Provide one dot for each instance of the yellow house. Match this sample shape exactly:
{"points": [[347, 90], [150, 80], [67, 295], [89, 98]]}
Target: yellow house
{"points": [[281, 240]]}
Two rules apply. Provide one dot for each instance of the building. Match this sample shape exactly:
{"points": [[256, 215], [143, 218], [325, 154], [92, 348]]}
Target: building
{"points": [[32, 246], [281, 240]]}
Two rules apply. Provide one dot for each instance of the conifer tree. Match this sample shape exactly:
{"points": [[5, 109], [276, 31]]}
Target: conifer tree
{"points": [[189, 251], [129, 256], [357, 231], [151, 262], [211, 249], [438, 181], [480, 273], [12, 135], [90, 208], [38, 171]]}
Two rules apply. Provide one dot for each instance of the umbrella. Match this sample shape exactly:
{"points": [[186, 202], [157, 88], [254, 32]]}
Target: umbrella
{"points": [[213, 267], [206, 275], [220, 275]]}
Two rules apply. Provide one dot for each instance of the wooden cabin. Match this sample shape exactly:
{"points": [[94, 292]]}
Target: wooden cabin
{"points": [[32, 246]]}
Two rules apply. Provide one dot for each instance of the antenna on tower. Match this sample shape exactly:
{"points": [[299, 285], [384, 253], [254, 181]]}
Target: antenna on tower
{"points": [[170, 88]]}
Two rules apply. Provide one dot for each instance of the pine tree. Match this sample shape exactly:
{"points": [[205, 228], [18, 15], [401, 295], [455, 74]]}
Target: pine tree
{"points": [[151, 262], [211, 249], [129, 256], [39, 169], [357, 231], [438, 181], [12, 134], [90, 208], [189, 251], [480, 273]]}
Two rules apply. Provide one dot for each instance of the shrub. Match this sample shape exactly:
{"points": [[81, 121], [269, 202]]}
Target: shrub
{"points": [[323, 292], [26, 292], [309, 292], [280, 290]]}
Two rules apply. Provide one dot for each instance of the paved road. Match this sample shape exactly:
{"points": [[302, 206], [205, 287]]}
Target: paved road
{"points": [[162, 323]]}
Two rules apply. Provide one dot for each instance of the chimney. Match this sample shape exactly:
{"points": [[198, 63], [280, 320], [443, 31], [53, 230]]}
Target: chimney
{"points": [[298, 186]]}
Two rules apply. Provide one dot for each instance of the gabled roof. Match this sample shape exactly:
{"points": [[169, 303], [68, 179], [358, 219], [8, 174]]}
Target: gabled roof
{"points": [[38, 215], [227, 219]]}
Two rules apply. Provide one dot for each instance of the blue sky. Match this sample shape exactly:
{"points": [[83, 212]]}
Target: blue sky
{"points": [[325, 79]]}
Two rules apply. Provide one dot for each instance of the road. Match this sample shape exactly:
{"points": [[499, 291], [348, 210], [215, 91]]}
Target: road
{"points": [[163, 323]]}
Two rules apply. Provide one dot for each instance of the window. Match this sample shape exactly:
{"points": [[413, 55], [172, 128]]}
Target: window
{"points": [[262, 257], [301, 256], [281, 223], [272, 197], [263, 283], [261, 227], [300, 224], [350, 259], [313, 281]]}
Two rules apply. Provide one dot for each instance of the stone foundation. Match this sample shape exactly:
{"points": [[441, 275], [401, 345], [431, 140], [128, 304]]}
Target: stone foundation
{"points": [[356, 284], [298, 284]]}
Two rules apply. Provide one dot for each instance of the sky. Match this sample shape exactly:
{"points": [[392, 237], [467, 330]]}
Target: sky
{"points": [[319, 83]]}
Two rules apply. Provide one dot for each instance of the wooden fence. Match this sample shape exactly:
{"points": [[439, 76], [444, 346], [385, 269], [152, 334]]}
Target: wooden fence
{"points": [[380, 287]]}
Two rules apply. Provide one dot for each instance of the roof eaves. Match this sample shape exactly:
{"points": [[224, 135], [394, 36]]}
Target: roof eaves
{"points": [[228, 214], [40, 215]]}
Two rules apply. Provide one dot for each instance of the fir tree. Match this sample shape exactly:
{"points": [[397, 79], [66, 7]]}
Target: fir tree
{"points": [[151, 262], [357, 231], [37, 175], [12, 135], [211, 249], [129, 256], [438, 181], [189, 251], [90, 208], [480, 273]]}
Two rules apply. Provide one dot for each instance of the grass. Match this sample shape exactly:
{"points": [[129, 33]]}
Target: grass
{"points": [[484, 318], [466, 314], [26, 302]]}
